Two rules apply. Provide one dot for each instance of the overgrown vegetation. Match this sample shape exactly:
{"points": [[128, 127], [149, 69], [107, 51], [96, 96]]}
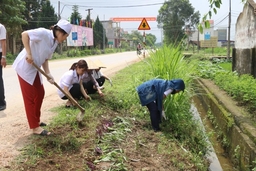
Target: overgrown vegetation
{"points": [[116, 132], [239, 87]]}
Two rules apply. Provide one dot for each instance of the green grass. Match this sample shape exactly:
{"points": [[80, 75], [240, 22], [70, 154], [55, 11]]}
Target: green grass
{"points": [[226, 65], [120, 126]]}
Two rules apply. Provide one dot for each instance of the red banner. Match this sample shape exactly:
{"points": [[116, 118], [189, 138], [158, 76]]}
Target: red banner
{"points": [[118, 19]]}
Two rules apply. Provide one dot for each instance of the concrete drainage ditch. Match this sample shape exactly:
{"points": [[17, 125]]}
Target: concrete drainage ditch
{"points": [[233, 126]]}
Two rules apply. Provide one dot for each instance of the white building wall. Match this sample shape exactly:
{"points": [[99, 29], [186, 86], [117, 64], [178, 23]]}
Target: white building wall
{"points": [[246, 28]]}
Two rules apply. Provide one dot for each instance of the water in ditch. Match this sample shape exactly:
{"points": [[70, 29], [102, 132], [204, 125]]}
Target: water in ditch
{"points": [[219, 162]]}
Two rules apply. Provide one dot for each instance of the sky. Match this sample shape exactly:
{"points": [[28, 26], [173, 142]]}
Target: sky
{"points": [[106, 9]]}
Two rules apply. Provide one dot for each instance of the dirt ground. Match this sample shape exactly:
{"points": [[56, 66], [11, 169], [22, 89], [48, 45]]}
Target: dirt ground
{"points": [[140, 149], [14, 126]]}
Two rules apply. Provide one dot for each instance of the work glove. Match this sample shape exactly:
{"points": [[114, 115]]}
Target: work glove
{"points": [[110, 82], [51, 79], [163, 115]]}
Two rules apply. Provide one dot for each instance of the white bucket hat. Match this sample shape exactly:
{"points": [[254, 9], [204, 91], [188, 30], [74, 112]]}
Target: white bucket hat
{"points": [[64, 25]]}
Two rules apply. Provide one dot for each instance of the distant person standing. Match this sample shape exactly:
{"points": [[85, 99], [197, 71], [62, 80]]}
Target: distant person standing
{"points": [[3, 64]]}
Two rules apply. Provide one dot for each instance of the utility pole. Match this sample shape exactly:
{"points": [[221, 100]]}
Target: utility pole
{"points": [[89, 13], [61, 45], [119, 36], [58, 10], [198, 42], [103, 39], [161, 27], [229, 24], [104, 36]]}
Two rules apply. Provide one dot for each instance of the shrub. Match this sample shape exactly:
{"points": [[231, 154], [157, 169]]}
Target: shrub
{"points": [[240, 87]]}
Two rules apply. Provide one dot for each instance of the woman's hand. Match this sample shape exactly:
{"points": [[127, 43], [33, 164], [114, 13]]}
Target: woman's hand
{"points": [[88, 98], [100, 93], [163, 115], [3, 62], [50, 79], [29, 59]]}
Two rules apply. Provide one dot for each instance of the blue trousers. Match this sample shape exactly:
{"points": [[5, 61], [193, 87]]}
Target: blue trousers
{"points": [[155, 115]]}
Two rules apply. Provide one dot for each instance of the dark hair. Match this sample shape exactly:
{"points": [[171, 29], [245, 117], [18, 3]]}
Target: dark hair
{"points": [[55, 28], [80, 64]]}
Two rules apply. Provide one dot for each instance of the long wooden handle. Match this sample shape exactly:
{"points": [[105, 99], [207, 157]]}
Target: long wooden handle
{"points": [[67, 95]]}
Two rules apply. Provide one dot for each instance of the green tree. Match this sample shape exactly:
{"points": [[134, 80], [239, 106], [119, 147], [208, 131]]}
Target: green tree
{"points": [[75, 16], [39, 13], [47, 16], [98, 34], [150, 39], [137, 37], [11, 14], [175, 16], [31, 14]]}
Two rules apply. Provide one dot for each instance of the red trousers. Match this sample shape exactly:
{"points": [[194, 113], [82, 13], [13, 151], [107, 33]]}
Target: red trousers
{"points": [[33, 96]]}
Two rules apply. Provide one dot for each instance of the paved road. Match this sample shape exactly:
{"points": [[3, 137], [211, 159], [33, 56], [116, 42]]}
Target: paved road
{"points": [[13, 123], [113, 62]]}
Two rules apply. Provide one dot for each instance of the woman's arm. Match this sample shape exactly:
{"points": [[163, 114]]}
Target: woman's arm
{"points": [[101, 74], [164, 96], [166, 93], [26, 43], [97, 85], [86, 96], [46, 67], [94, 81], [66, 90], [106, 77], [100, 92]]}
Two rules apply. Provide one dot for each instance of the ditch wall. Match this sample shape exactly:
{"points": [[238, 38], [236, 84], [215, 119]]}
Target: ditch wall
{"points": [[235, 129]]}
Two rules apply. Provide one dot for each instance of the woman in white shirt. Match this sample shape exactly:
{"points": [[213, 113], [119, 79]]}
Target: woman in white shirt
{"points": [[72, 82], [39, 45]]}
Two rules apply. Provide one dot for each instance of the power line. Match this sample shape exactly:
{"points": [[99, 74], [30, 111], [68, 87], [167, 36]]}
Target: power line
{"points": [[220, 21], [124, 6], [107, 2]]}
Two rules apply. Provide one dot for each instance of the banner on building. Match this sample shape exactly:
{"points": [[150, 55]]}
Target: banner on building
{"points": [[80, 36], [213, 42]]}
